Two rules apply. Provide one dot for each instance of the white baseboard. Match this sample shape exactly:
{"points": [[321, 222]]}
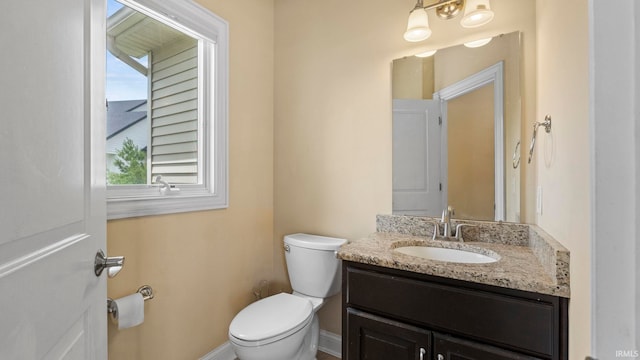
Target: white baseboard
{"points": [[329, 343], [222, 352]]}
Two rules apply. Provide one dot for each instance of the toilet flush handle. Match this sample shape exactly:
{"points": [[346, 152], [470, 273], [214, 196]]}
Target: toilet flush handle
{"points": [[287, 248]]}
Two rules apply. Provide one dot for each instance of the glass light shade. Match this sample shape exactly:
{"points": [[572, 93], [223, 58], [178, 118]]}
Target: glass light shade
{"points": [[417, 26], [426, 53], [476, 13], [478, 43]]}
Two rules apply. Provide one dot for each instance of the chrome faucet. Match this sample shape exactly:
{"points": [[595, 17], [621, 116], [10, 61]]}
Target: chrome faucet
{"points": [[448, 231], [446, 221], [459, 231]]}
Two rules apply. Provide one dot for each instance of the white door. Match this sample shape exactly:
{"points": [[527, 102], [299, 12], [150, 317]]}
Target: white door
{"points": [[416, 158], [52, 205]]}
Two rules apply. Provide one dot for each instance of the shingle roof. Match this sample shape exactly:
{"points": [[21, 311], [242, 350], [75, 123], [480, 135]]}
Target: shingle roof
{"points": [[123, 114]]}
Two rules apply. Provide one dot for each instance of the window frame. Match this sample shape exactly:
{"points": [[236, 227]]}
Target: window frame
{"points": [[212, 32]]}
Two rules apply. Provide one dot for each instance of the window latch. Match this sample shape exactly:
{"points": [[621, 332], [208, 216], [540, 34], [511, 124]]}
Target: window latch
{"points": [[165, 187]]}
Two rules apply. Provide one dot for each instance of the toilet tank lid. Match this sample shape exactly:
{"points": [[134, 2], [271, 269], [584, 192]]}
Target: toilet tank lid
{"points": [[314, 241]]}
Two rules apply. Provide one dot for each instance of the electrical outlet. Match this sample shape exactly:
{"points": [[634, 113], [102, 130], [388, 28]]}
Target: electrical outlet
{"points": [[539, 200]]}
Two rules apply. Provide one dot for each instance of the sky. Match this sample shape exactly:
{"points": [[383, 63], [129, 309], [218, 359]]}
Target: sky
{"points": [[122, 82]]}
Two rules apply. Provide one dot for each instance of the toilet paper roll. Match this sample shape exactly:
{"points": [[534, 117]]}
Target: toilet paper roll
{"points": [[130, 310]]}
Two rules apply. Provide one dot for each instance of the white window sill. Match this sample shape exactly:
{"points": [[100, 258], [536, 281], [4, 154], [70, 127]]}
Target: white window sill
{"points": [[125, 207]]}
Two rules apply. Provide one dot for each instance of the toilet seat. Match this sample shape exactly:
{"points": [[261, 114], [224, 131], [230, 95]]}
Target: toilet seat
{"points": [[270, 319]]}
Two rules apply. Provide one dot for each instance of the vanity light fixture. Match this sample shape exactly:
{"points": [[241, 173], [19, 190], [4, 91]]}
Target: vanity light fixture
{"points": [[418, 24], [476, 13], [478, 43], [425, 54]]}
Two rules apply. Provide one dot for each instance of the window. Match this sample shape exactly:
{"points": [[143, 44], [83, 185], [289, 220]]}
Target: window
{"points": [[167, 88]]}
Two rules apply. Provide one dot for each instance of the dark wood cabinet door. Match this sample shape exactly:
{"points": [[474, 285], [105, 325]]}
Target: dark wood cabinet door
{"points": [[373, 337], [527, 325], [451, 348]]}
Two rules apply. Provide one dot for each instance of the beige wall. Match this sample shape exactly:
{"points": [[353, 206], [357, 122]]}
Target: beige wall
{"points": [[333, 110], [412, 78], [203, 265], [562, 157]]}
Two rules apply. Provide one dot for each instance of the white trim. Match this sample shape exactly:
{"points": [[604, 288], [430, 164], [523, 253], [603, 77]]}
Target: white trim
{"points": [[131, 201], [492, 74], [614, 111], [328, 342], [222, 352]]}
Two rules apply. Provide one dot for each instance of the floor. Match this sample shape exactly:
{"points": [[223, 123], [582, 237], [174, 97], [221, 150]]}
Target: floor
{"points": [[323, 356]]}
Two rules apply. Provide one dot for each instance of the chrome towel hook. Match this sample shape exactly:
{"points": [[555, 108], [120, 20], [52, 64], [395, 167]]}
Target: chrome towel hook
{"points": [[547, 127]]}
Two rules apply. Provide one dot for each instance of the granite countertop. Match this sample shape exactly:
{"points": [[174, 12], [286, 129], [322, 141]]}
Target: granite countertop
{"points": [[533, 262]]}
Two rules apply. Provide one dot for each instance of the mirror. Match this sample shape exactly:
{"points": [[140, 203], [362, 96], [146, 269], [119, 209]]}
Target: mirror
{"points": [[454, 140]]}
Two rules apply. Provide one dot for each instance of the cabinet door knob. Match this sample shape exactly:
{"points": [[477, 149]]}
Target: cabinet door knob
{"points": [[422, 352], [440, 357]]}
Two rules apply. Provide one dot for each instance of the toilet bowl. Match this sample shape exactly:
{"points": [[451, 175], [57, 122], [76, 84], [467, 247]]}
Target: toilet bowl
{"points": [[275, 328], [285, 326]]}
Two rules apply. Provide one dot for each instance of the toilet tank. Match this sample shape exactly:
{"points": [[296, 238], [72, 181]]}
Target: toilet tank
{"points": [[312, 263]]}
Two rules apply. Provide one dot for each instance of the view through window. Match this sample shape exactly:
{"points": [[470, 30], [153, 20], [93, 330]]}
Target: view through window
{"points": [[152, 101]]}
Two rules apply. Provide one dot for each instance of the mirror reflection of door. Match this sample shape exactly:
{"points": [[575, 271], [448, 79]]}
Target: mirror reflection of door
{"points": [[416, 157], [470, 147], [416, 139]]}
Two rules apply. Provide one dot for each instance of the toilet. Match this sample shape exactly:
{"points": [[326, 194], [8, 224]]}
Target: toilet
{"points": [[285, 326]]}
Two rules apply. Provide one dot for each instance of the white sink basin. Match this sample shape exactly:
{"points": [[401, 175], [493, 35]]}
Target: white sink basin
{"points": [[444, 254]]}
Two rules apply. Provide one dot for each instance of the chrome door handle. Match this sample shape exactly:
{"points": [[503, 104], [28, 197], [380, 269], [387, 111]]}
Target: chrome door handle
{"points": [[440, 357], [113, 264], [422, 352]]}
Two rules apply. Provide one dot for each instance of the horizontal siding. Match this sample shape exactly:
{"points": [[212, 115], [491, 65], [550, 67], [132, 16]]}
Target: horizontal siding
{"points": [[175, 108], [191, 136], [174, 79], [176, 98], [191, 53], [175, 169], [175, 88], [175, 128], [179, 158], [174, 148], [191, 115], [176, 69], [174, 113], [179, 178]]}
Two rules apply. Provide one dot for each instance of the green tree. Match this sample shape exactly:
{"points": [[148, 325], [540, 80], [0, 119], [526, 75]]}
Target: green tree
{"points": [[132, 163]]}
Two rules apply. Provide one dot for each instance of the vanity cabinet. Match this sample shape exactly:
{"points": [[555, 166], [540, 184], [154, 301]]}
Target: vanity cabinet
{"points": [[379, 338], [448, 347], [391, 314]]}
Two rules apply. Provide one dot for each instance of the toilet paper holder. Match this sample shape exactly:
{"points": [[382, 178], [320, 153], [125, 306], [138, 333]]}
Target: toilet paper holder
{"points": [[145, 290]]}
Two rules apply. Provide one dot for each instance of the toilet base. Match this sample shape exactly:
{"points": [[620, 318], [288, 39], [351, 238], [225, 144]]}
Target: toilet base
{"points": [[313, 337], [307, 349]]}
